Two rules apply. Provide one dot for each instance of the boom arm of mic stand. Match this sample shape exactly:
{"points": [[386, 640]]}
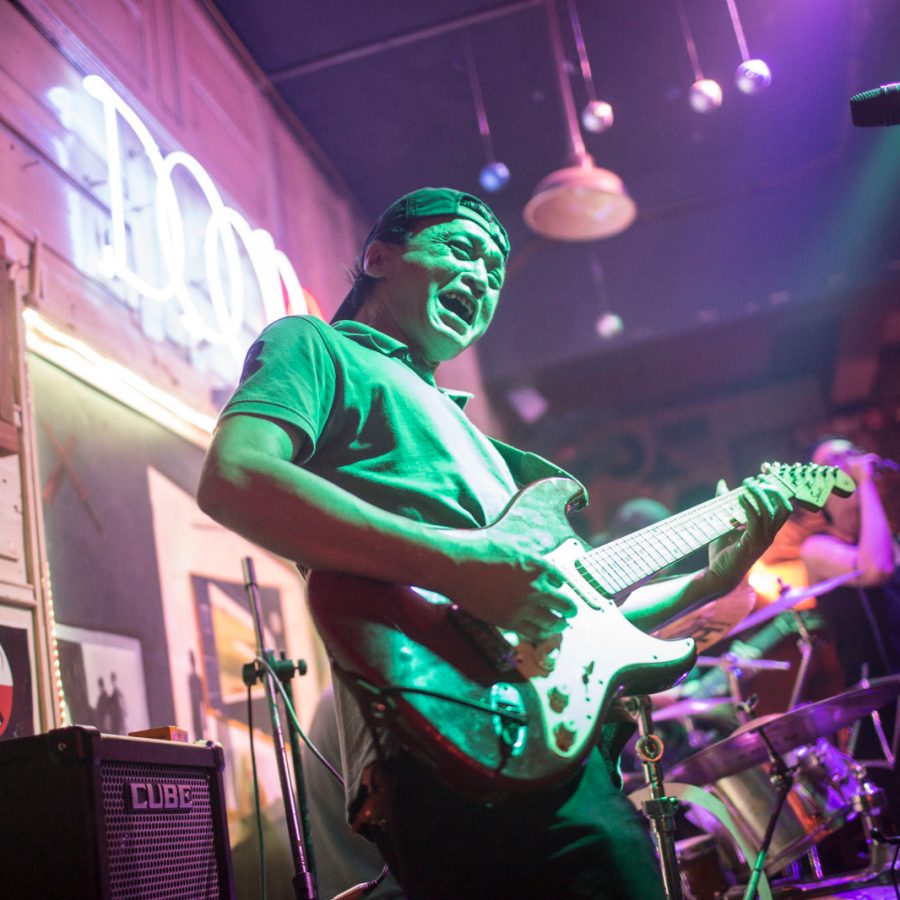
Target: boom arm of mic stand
{"points": [[303, 881]]}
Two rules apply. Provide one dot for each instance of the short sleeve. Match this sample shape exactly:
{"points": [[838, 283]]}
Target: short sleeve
{"points": [[289, 376]]}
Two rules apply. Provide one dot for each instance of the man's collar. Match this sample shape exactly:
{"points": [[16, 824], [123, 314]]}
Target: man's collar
{"points": [[376, 340], [372, 338]]}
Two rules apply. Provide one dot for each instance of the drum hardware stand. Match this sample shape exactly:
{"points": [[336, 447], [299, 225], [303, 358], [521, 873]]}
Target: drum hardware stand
{"points": [[734, 667], [869, 803], [806, 644], [889, 750], [783, 779], [659, 809], [298, 832]]}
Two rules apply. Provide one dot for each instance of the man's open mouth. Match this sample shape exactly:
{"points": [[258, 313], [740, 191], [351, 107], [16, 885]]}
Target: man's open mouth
{"points": [[459, 304]]}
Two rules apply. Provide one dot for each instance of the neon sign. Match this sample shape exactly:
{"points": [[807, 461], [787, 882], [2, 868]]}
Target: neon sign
{"points": [[207, 276]]}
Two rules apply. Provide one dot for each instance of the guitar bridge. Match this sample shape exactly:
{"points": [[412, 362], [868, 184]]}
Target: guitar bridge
{"points": [[495, 649]]}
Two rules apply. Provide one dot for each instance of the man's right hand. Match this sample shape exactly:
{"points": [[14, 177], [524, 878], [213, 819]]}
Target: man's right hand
{"points": [[509, 584]]}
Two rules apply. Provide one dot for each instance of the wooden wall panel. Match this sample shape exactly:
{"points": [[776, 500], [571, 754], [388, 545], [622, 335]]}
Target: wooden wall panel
{"points": [[224, 115], [119, 32], [314, 217], [130, 41], [12, 525]]}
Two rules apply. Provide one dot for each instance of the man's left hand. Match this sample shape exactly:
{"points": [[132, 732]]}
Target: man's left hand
{"points": [[767, 509]]}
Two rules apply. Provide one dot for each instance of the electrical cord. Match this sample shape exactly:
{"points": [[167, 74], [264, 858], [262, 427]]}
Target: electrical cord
{"points": [[388, 690], [259, 824], [295, 723]]}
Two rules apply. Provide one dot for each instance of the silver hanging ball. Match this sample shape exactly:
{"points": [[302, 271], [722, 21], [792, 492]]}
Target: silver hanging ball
{"points": [[494, 177], [705, 95], [597, 116], [752, 76], [609, 325]]}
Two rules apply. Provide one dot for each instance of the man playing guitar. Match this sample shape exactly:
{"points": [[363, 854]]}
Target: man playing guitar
{"points": [[338, 450]]}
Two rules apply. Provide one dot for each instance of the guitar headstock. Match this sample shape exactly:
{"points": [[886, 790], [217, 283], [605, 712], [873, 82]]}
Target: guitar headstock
{"points": [[810, 484]]}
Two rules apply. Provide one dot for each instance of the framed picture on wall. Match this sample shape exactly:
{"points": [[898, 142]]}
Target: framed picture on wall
{"points": [[103, 674], [18, 681]]}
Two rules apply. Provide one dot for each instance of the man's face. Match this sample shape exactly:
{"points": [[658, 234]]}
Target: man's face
{"points": [[440, 289]]}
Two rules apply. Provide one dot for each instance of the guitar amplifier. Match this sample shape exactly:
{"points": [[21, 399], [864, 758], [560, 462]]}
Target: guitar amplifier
{"points": [[90, 815]]}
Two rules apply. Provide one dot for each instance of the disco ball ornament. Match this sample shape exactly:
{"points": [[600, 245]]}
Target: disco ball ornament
{"points": [[609, 325], [597, 116], [494, 177], [752, 76], [705, 95]]}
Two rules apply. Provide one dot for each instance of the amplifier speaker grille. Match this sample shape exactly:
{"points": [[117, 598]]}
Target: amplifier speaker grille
{"points": [[141, 847]]}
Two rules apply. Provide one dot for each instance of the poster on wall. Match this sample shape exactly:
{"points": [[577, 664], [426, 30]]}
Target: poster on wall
{"points": [[210, 635], [18, 698]]}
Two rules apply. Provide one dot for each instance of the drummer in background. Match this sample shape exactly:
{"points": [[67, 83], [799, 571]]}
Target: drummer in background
{"points": [[863, 615]]}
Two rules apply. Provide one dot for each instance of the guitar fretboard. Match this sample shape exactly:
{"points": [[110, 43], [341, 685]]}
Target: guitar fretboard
{"points": [[621, 564]]}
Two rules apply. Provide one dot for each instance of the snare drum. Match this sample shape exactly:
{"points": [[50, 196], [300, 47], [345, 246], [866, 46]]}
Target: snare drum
{"points": [[819, 802]]}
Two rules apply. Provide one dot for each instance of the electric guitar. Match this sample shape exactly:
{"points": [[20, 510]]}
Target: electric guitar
{"points": [[493, 715]]}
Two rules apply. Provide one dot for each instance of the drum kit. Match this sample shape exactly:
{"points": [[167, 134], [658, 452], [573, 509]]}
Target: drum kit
{"points": [[773, 809]]}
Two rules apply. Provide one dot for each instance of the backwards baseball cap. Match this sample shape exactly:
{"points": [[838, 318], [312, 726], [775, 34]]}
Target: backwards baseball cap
{"points": [[394, 223]]}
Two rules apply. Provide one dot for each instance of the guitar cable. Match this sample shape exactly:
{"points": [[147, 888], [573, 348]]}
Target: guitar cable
{"points": [[388, 690]]}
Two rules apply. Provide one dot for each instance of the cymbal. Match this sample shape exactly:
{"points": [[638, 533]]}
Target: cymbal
{"points": [[789, 599], [695, 706], [746, 747], [708, 624]]}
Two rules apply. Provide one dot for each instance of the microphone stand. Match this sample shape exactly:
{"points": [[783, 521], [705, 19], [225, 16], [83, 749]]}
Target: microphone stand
{"points": [[303, 881], [659, 808], [783, 779]]}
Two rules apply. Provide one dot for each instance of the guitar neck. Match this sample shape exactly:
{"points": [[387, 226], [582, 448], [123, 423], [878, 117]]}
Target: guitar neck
{"points": [[623, 563]]}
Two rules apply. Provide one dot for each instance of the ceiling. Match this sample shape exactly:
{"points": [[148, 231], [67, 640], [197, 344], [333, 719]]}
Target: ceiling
{"points": [[770, 218]]}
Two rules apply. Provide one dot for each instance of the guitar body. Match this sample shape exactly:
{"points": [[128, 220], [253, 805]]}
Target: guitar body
{"points": [[525, 716]]}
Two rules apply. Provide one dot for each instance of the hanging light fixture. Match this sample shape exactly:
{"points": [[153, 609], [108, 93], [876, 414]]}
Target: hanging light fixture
{"points": [[597, 116], [752, 76], [609, 324], [580, 202], [494, 175], [705, 94]]}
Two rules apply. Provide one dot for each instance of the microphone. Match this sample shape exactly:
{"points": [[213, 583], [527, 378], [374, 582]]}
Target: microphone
{"points": [[880, 106], [886, 465]]}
